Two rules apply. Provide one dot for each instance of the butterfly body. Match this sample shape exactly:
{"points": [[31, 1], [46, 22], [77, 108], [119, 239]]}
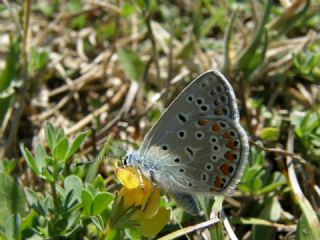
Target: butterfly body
{"points": [[198, 146]]}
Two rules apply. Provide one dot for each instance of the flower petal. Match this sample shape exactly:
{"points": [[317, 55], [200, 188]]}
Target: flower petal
{"points": [[150, 227], [151, 203], [128, 177], [131, 197]]}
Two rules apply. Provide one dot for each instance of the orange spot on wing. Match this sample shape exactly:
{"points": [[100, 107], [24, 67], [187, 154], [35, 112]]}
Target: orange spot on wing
{"points": [[202, 122], [225, 169], [227, 135], [217, 182], [230, 156], [230, 144], [215, 127]]}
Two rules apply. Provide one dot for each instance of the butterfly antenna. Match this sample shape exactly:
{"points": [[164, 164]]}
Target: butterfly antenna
{"points": [[84, 162]]}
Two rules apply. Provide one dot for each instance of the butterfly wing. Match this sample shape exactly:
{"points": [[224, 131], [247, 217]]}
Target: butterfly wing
{"points": [[207, 154], [187, 201], [209, 94], [198, 145]]}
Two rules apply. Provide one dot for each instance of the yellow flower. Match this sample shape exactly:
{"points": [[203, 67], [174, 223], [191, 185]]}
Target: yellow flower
{"points": [[138, 204]]}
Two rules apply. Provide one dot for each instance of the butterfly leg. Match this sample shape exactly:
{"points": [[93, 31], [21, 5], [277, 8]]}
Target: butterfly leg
{"points": [[149, 197], [187, 201], [140, 179]]}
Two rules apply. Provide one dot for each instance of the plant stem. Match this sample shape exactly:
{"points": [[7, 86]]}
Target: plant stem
{"points": [[12, 138], [54, 195]]}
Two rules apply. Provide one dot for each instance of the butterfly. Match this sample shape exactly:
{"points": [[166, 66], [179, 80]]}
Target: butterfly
{"points": [[197, 146]]}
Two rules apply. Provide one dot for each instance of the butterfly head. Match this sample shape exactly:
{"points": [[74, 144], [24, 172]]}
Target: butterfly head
{"points": [[131, 159]]}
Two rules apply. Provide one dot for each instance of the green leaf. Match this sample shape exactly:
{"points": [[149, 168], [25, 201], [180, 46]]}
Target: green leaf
{"points": [[79, 22], [271, 211], [269, 134], [12, 200], [251, 57], [32, 197], [46, 8], [9, 78], [304, 232], [101, 202], [47, 175], [10, 70], [114, 234], [74, 221], [74, 183], [60, 134], [38, 59], [99, 183], [61, 149], [227, 41], [8, 166], [12, 226], [269, 188], [74, 5], [40, 155], [30, 159], [127, 9], [98, 222], [76, 144], [133, 233], [50, 136], [197, 20], [87, 200], [131, 64], [29, 220]]}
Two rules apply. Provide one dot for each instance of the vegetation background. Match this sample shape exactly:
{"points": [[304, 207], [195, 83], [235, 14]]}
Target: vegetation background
{"points": [[111, 67]]}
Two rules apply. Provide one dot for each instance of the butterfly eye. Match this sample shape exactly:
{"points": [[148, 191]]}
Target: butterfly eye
{"points": [[125, 160]]}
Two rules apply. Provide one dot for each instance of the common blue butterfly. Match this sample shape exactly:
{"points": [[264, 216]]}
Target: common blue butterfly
{"points": [[198, 145]]}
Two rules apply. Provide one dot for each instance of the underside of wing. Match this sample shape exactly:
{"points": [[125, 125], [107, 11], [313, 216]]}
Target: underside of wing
{"points": [[209, 94], [205, 155], [198, 143]]}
